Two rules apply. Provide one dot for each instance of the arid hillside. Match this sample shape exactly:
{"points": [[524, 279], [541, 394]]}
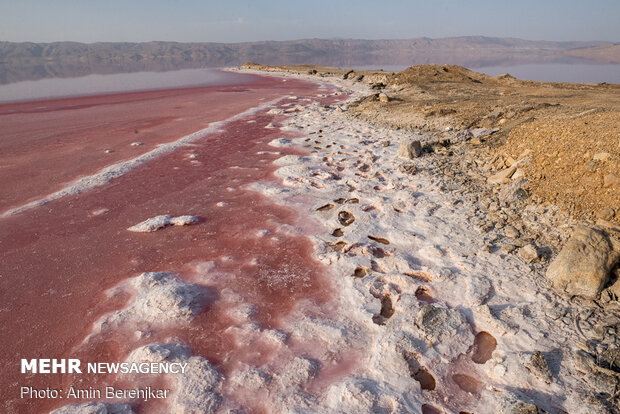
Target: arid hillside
{"points": [[566, 137]]}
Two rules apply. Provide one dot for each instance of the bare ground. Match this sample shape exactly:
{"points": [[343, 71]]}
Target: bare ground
{"points": [[569, 133]]}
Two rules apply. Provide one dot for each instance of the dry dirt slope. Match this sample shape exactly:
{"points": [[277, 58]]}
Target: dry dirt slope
{"points": [[569, 132]]}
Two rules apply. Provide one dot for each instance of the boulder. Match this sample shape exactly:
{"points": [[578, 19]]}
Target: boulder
{"points": [[583, 266], [383, 97], [410, 149]]}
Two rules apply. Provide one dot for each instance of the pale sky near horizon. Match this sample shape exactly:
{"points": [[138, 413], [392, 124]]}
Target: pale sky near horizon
{"points": [[246, 20]]}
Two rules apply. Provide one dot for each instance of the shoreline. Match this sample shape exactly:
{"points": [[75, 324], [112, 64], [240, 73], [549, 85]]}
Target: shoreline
{"points": [[225, 290], [467, 275], [429, 309]]}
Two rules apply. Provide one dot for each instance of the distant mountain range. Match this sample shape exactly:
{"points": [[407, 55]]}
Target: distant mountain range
{"points": [[32, 61]]}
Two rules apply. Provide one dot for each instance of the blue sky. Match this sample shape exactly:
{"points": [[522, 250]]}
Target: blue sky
{"points": [[244, 20]]}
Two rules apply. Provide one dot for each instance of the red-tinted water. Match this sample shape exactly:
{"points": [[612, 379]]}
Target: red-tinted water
{"points": [[58, 259]]}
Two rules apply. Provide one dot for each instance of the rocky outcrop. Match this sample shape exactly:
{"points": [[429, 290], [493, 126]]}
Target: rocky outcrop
{"points": [[583, 266]]}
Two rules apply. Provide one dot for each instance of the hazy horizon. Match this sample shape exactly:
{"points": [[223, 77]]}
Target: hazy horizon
{"points": [[246, 21]]}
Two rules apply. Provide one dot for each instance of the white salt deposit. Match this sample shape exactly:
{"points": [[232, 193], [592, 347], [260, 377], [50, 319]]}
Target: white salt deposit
{"points": [[280, 142], [99, 212], [433, 247], [94, 408], [195, 391], [158, 298], [159, 222]]}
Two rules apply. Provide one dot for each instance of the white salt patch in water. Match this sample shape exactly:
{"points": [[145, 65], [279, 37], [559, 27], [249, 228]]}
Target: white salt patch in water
{"points": [[221, 204], [242, 313], [270, 126], [159, 222], [206, 266], [157, 298], [262, 233], [99, 212]]}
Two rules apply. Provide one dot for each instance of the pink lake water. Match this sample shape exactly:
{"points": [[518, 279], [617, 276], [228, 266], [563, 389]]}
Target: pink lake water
{"points": [[58, 259]]}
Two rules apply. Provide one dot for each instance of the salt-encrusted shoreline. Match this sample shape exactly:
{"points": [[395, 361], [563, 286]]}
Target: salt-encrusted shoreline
{"points": [[105, 175], [436, 317], [426, 317]]}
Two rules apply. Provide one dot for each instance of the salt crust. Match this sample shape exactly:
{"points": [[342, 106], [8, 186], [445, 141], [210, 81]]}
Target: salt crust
{"points": [[196, 391], [158, 298], [159, 222], [433, 244]]}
